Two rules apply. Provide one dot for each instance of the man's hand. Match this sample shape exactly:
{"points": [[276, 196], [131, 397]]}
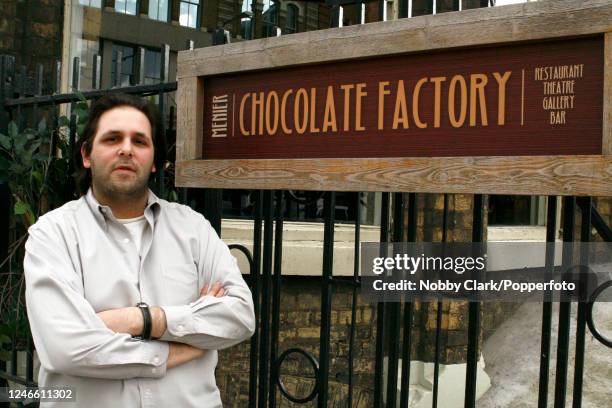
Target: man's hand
{"points": [[216, 290], [180, 353], [129, 319]]}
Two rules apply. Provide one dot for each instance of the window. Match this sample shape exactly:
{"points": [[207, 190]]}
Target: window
{"points": [[91, 3], [152, 68], [246, 25], [189, 13], [126, 7], [86, 49], [127, 64], [270, 18], [158, 10], [291, 21]]}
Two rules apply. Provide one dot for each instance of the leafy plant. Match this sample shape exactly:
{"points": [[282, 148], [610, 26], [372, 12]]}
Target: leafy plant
{"points": [[34, 164]]}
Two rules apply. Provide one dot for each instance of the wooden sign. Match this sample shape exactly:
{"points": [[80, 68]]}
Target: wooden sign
{"points": [[504, 100], [534, 99]]}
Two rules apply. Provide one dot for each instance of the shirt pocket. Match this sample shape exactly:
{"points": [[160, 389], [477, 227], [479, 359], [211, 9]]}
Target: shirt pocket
{"points": [[181, 284]]}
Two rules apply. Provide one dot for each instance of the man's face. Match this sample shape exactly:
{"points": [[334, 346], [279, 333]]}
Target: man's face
{"points": [[122, 154]]}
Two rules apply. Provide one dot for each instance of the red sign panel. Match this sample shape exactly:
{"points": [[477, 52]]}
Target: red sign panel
{"points": [[514, 100]]}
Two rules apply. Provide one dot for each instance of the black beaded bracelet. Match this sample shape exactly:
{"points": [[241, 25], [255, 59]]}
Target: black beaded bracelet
{"points": [[147, 325]]}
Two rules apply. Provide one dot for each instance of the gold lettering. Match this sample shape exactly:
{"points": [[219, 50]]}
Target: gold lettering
{"points": [[313, 100], [360, 94], [400, 107], [437, 91], [283, 110], [477, 84], [300, 127], [415, 104], [382, 91], [241, 116], [257, 110], [501, 101], [272, 128], [347, 97], [451, 101], [329, 118]]}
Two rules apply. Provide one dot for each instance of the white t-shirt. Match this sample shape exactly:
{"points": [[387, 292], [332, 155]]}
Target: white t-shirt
{"points": [[136, 228]]}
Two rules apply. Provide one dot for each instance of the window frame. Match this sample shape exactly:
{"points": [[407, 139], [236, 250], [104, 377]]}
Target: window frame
{"points": [[190, 3], [296, 10], [168, 11], [136, 10]]}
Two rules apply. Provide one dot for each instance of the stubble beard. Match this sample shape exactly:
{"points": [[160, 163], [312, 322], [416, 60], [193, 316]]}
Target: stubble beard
{"points": [[119, 190]]}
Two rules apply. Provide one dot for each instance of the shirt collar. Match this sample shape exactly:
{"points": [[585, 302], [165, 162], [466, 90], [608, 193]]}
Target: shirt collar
{"points": [[103, 213]]}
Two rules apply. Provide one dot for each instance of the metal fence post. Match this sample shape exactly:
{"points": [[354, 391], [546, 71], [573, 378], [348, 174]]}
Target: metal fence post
{"points": [[7, 79], [139, 67], [57, 86], [96, 77], [76, 62], [118, 66], [164, 77]]}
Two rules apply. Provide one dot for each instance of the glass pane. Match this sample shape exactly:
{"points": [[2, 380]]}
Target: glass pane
{"points": [[291, 19], [120, 6], [270, 20], [127, 64], [193, 15], [84, 2], [152, 67], [87, 49], [96, 3], [184, 15], [163, 10], [245, 28], [131, 7], [267, 4], [154, 9]]}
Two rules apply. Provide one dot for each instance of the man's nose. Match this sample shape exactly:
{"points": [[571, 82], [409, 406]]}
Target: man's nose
{"points": [[125, 149]]}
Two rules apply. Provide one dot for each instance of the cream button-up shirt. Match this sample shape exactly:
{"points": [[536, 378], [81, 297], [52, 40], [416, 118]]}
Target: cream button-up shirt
{"points": [[79, 261]]}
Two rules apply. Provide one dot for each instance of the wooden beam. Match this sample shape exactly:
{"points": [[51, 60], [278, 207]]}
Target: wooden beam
{"points": [[530, 175], [478, 27], [190, 107]]}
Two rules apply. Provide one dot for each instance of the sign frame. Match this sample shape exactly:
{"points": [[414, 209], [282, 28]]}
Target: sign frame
{"points": [[513, 24]]}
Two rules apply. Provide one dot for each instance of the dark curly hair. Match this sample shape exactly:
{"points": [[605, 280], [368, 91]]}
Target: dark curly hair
{"points": [[82, 175]]}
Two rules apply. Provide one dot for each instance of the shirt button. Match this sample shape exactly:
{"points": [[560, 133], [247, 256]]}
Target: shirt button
{"points": [[154, 370], [181, 327], [156, 360], [126, 240]]}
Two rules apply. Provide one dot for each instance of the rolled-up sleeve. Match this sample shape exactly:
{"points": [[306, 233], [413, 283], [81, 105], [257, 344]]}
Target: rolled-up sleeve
{"points": [[210, 322], [69, 337]]}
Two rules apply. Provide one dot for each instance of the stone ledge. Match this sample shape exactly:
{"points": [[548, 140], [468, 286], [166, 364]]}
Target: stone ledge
{"points": [[303, 243]]}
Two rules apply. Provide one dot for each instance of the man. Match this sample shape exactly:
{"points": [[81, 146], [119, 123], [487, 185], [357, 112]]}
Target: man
{"points": [[129, 296]]}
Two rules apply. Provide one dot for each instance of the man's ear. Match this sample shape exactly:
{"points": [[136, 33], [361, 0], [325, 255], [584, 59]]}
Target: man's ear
{"points": [[85, 156], [153, 168]]}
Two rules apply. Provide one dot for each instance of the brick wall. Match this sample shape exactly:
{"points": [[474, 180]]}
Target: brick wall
{"points": [[300, 320]]}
